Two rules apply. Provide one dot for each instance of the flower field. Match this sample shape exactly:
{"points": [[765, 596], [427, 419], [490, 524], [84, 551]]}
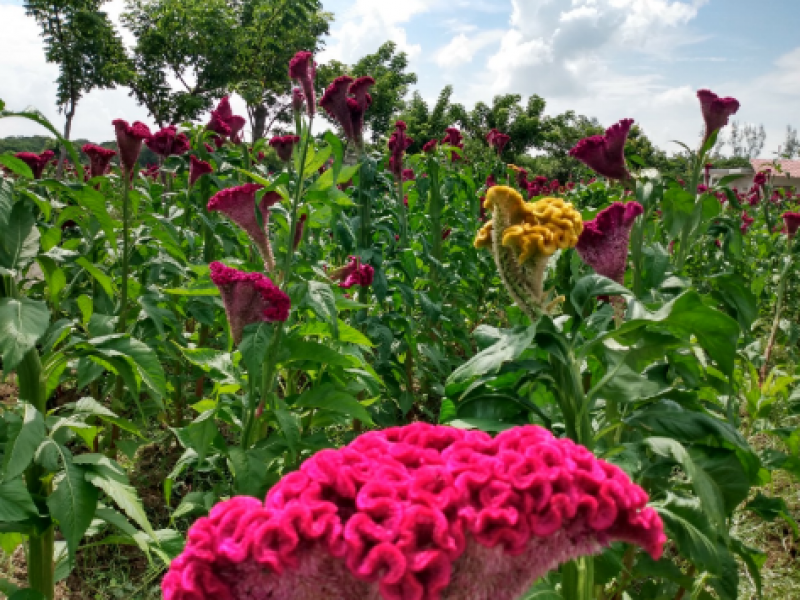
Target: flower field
{"points": [[315, 367]]}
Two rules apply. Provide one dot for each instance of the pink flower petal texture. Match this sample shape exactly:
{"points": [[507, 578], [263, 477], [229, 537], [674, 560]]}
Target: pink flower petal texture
{"points": [[297, 100], [453, 137], [248, 298], [99, 159], [168, 142], [284, 144], [238, 204], [792, 221], [398, 144], [236, 123], [357, 105], [198, 168], [354, 273], [420, 512], [334, 101], [129, 141], [605, 154], [716, 111], [408, 175], [223, 109], [603, 244], [36, 162], [303, 69]]}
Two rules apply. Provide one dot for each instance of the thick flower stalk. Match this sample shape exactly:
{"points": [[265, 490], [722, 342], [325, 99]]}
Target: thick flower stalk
{"points": [[248, 298], [353, 273], [716, 111], [99, 159], [303, 69], [522, 237], [168, 142], [420, 512], [603, 244], [129, 142], [239, 205], [198, 168], [36, 162], [284, 146], [605, 154]]}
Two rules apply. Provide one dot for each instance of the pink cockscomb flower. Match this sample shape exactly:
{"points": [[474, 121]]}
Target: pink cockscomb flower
{"points": [[398, 144], [297, 100], [408, 175], [353, 273], [357, 105], [453, 137], [239, 205], [421, 512], [150, 171], [603, 244], [605, 154], [760, 179], [99, 159], [236, 123], [497, 140], [716, 111], [218, 125], [284, 145], [248, 298], [198, 168], [168, 142], [303, 69], [36, 162], [346, 100], [747, 222], [129, 141], [792, 222], [430, 146]]}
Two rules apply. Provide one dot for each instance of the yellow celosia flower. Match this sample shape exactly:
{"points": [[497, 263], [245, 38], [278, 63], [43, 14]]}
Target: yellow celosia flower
{"points": [[484, 237]]}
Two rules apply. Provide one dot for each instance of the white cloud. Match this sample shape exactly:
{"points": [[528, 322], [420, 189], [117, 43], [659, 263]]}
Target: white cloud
{"points": [[463, 47]]}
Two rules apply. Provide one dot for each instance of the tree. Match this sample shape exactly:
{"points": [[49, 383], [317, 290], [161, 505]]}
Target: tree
{"points": [[746, 141], [81, 40], [425, 124], [791, 145], [388, 68]]}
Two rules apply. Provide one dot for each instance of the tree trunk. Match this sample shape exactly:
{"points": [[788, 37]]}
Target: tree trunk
{"points": [[259, 122], [67, 131]]}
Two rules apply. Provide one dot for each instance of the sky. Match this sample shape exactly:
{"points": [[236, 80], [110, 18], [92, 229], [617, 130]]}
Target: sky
{"points": [[610, 59]]}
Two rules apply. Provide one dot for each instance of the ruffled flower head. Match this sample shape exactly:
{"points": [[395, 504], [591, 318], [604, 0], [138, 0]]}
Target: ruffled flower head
{"points": [[284, 145], [453, 137], [346, 100], [716, 111], [353, 273], [236, 123], [420, 512], [297, 100], [747, 222], [408, 175], [522, 236], [605, 154], [129, 141], [303, 69], [603, 245], [225, 124], [168, 142], [36, 162], [99, 159], [198, 168], [430, 146], [398, 144], [792, 222], [239, 205], [248, 298], [497, 140]]}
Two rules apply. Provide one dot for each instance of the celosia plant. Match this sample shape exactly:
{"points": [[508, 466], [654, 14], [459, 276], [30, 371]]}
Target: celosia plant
{"points": [[716, 111], [346, 100], [129, 142], [248, 298], [36, 162], [398, 144], [239, 205], [284, 145], [198, 168], [168, 142], [522, 236], [792, 222], [453, 138], [353, 273], [420, 512], [603, 244], [303, 69], [99, 159], [497, 140], [605, 154]]}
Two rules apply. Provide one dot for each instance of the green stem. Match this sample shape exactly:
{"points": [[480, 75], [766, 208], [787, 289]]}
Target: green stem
{"points": [[365, 209], [777, 320], [436, 223], [402, 214]]}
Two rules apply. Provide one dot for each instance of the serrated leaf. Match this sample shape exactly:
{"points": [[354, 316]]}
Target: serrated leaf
{"points": [[124, 495], [509, 346]]}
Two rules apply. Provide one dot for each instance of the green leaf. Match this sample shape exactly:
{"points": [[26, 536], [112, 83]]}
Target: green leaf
{"points": [[26, 594], [327, 397], [315, 160], [735, 292], [22, 322], [300, 350], [38, 117], [482, 424], [95, 202], [16, 503], [101, 278], [690, 529], [16, 165], [254, 345], [53, 276], [219, 364], [89, 406], [20, 238], [770, 509], [352, 335], [73, 502], [23, 440], [592, 286], [144, 358], [509, 346], [290, 425], [198, 291], [322, 301]]}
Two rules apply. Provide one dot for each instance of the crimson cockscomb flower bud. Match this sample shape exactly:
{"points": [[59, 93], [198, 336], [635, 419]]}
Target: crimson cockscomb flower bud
{"points": [[303, 69], [298, 230], [168, 142], [297, 100], [408, 174], [760, 179], [284, 145], [248, 298], [36, 162], [239, 205], [334, 101], [198, 168], [716, 111], [604, 154], [236, 123], [353, 273], [218, 126], [398, 143], [747, 221], [453, 138], [603, 244], [223, 109], [430, 146], [99, 159], [129, 142], [497, 140], [422, 512], [792, 221]]}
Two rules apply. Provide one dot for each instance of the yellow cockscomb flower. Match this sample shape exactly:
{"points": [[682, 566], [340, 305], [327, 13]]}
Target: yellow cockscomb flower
{"points": [[484, 237]]}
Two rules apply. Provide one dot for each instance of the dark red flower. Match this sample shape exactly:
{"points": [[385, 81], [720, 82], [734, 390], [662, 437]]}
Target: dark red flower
{"points": [[168, 142], [359, 103], [747, 221], [353, 273], [604, 154], [36, 162], [129, 142], [297, 100], [760, 179], [408, 174], [303, 69], [198, 168], [236, 123], [446, 233], [298, 231], [150, 171], [99, 159], [398, 143], [702, 189], [792, 221], [716, 111], [453, 137], [603, 244], [284, 145], [497, 140], [334, 101], [430, 146]]}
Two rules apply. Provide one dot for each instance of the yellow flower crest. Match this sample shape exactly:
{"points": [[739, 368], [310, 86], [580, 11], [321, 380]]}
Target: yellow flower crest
{"points": [[540, 227]]}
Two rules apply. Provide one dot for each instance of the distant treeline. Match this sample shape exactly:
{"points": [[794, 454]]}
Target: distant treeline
{"points": [[40, 143]]}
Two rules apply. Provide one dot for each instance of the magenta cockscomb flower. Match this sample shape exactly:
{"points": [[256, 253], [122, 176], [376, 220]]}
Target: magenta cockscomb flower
{"points": [[198, 168], [223, 109], [129, 142], [430, 146], [605, 154], [747, 222], [760, 179], [168, 142], [99, 159], [150, 171], [248, 298], [239, 205], [303, 69], [716, 111], [408, 175], [421, 512], [284, 145], [353, 273], [225, 124], [218, 125], [497, 140], [603, 244], [357, 105], [453, 137], [236, 123], [36, 162], [398, 144], [297, 100], [792, 222], [346, 100]]}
